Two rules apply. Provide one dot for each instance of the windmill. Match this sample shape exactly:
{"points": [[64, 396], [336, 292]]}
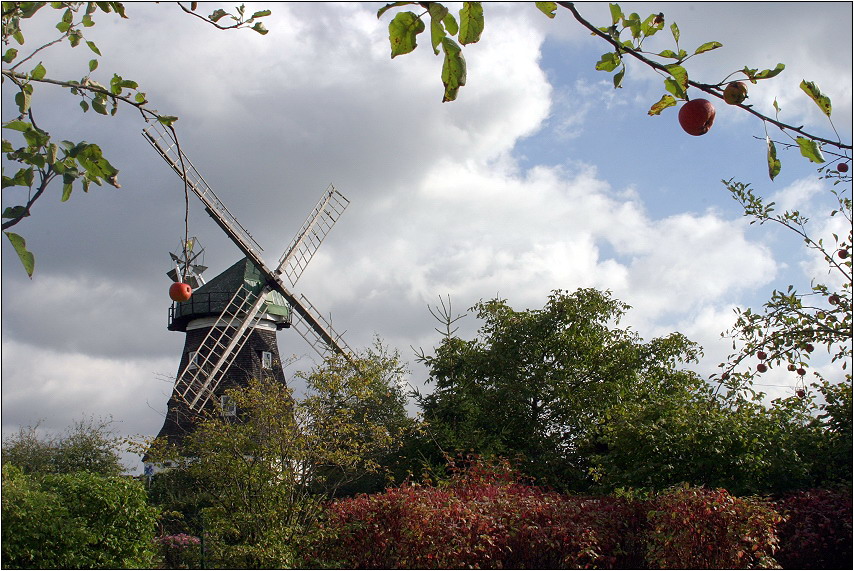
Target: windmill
{"points": [[261, 294]]}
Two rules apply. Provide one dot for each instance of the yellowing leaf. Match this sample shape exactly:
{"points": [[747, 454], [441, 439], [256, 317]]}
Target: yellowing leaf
{"points": [[662, 104], [26, 257], [822, 100], [402, 32]]}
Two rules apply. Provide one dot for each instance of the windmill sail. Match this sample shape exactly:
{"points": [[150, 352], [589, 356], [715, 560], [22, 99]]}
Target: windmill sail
{"points": [[218, 350], [313, 231]]}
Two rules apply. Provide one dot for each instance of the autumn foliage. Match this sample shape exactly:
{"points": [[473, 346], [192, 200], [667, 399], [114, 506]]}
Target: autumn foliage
{"points": [[485, 518], [816, 533]]}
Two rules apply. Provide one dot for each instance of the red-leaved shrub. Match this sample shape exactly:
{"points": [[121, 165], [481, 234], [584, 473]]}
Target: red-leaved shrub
{"points": [[481, 520], [699, 528], [817, 532]]}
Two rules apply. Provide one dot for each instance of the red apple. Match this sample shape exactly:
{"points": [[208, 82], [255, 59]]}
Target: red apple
{"points": [[833, 299], [842, 167], [696, 116], [802, 371], [761, 367], [809, 347], [843, 253], [761, 355], [791, 367], [180, 291], [735, 92], [801, 393]]}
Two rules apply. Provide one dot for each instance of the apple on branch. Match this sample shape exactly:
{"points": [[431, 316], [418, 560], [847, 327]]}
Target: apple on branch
{"points": [[697, 116]]}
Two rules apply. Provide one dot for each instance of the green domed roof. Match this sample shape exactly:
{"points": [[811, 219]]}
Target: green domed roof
{"points": [[211, 298]]}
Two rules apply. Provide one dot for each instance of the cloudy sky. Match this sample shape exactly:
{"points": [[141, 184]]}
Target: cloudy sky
{"points": [[540, 176]]}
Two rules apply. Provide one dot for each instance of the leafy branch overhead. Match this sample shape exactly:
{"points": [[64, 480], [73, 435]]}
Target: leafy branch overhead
{"points": [[626, 35], [41, 158]]}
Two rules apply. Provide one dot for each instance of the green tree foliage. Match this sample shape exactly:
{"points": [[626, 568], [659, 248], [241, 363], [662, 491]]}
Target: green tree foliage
{"points": [[89, 445], [263, 477], [79, 520], [42, 159], [541, 384], [741, 445]]}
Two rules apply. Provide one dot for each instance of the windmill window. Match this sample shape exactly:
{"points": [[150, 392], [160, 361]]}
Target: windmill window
{"points": [[193, 360], [266, 360], [228, 406]]}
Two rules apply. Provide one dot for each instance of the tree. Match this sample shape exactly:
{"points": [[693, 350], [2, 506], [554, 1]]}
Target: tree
{"points": [[541, 384], [79, 520], [41, 159], [742, 445], [263, 476], [87, 446], [791, 325]]}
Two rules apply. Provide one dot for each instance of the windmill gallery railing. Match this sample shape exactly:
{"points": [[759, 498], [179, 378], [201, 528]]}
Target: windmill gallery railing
{"points": [[204, 303]]}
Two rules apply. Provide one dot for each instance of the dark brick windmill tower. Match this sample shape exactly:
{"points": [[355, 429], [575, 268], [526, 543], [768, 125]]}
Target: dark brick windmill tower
{"points": [[231, 321], [201, 318]]}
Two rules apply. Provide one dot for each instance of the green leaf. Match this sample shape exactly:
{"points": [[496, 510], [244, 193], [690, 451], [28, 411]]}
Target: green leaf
{"points": [[662, 104], [451, 24], [471, 22], [22, 99], [668, 54], [139, 97], [18, 126], [673, 86], [67, 186], [88, 22], [810, 149], [608, 62], [822, 100], [167, 120], [402, 32], [774, 164], [93, 47], [437, 29], [679, 74], [74, 38], [84, 105], [547, 8], [217, 15], [10, 55], [261, 14], [616, 13], [453, 69], [707, 47], [674, 29], [98, 106], [769, 73], [618, 77], [260, 28], [20, 245], [633, 22], [93, 65], [15, 212]]}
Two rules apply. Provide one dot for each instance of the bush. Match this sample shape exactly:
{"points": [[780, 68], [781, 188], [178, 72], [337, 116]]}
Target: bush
{"points": [[79, 520], [482, 519], [699, 528], [817, 532]]}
